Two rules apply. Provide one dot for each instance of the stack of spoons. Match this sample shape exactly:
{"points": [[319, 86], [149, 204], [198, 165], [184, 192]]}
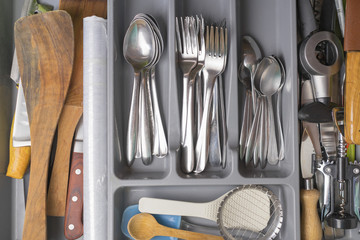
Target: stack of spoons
{"points": [[261, 137], [142, 48]]}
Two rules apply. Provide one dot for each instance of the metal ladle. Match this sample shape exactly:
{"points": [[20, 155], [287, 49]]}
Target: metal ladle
{"points": [[269, 80]]}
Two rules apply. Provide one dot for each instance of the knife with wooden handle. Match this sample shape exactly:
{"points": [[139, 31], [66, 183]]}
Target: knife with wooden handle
{"points": [[352, 83], [310, 222], [73, 226]]}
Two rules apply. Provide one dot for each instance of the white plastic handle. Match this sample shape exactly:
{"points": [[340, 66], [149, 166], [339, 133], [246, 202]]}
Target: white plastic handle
{"points": [[171, 207]]}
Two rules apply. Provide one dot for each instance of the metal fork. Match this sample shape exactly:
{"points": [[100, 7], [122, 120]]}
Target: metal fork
{"points": [[214, 63], [197, 27], [187, 54]]}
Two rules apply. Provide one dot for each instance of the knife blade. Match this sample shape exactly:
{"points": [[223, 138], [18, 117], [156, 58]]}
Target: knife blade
{"points": [[306, 152], [73, 225]]}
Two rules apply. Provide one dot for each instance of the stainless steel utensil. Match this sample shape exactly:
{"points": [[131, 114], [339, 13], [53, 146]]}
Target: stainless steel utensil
{"points": [[214, 64], [139, 51], [187, 54], [250, 56]]}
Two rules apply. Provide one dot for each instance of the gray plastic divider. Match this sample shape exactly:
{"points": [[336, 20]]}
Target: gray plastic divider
{"points": [[272, 24]]}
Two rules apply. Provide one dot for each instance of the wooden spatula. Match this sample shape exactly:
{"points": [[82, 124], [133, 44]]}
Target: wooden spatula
{"points": [[45, 52], [352, 82], [73, 109]]}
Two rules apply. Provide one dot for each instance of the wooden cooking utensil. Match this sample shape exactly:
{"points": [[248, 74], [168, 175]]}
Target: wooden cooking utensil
{"points": [[73, 109], [144, 226], [352, 83], [45, 51]]}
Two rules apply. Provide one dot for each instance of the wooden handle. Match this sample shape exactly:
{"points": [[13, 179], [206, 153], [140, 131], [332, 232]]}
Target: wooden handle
{"points": [[56, 199], [352, 98], [19, 158], [187, 235], [45, 49], [310, 221], [73, 226]]}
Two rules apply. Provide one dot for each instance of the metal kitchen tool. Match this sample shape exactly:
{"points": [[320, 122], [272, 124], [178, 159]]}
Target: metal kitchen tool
{"points": [[42, 76], [73, 223], [140, 52], [217, 152], [342, 175], [166, 220], [312, 60], [191, 53], [159, 143], [144, 226], [215, 59], [251, 55], [261, 218]]}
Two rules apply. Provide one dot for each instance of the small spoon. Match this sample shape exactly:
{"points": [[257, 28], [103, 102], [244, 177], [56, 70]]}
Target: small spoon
{"points": [[139, 51], [268, 81], [144, 226], [251, 55]]}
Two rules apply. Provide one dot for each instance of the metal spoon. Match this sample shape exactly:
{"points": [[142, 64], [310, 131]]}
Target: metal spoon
{"points": [[139, 51], [250, 56], [269, 80]]}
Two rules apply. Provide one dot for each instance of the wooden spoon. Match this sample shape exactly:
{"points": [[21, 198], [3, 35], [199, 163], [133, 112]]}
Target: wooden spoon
{"points": [[73, 108], [45, 52], [144, 226]]}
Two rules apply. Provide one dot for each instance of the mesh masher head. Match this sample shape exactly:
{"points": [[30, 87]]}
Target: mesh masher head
{"points": [[250, 212]]}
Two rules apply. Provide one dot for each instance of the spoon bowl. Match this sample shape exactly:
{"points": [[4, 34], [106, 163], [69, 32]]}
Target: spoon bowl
{"points": [[139, 44], [268, 78]]}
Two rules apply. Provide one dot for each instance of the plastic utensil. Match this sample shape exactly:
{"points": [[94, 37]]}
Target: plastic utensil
{"points": [[247, 209], [143, 226], [166, 220]]}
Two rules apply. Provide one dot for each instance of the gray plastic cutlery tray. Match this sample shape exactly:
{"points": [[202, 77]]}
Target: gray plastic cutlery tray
{"points": [[272, 23]]}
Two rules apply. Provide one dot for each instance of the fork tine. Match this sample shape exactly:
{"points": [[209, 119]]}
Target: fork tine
{"points": [[202, 39], [216, 51], [183, 34], [222, 43], [187, 35], [193, 35], [178, 38], [207, 41], [211, 50], [225, 47]]}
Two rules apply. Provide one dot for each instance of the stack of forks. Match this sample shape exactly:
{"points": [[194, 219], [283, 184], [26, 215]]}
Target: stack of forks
{"points": [[202, 60]]}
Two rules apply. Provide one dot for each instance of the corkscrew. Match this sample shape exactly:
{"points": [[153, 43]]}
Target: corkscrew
{"points": [[341, 178]]}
